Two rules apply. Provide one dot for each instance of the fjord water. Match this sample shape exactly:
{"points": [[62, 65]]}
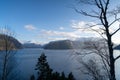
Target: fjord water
{"points": [[59, 60]]}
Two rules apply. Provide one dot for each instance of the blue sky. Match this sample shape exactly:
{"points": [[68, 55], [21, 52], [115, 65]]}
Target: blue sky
{"points": [[42, 21]]}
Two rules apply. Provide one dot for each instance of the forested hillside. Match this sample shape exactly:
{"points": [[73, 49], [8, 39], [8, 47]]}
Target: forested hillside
{"points": [[9, 42], [87, 43]]}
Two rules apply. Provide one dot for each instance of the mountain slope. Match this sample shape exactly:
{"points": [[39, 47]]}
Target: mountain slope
{"points": [[63, 44], [31, 45], [117, 47], [9, 41], [84, 43]]}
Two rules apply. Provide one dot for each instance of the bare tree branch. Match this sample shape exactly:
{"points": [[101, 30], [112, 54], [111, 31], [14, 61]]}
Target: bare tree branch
{"points": [[86, 14], [115, 31], [117, 57], [114, 22], [102, 6], [106, 5], [98, 5], [7, 54]]}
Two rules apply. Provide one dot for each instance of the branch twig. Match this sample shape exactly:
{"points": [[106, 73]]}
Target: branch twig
{"points": [[115, 31]]}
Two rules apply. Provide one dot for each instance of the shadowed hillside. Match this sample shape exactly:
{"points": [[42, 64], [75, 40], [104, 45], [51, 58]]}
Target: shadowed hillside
{"points": [[8, 40], [83, 43], [63, 44]]}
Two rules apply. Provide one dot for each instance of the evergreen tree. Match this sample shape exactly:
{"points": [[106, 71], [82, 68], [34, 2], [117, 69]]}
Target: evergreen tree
{"points": [[63, 76], [70, 76], [32, 77], [56, 76], [44, 71]]}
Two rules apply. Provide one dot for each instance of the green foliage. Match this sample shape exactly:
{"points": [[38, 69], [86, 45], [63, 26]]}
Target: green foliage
{"points": [[45, 72]]}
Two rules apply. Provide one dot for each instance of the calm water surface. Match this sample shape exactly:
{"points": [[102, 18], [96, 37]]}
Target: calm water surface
{"points": [[59, 60]]}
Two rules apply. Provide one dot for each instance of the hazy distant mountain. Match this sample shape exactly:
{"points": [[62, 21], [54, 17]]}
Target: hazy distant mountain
{"points": [[117, 47], [31, 45], [14, 42], [83, 43], [62, 44]]}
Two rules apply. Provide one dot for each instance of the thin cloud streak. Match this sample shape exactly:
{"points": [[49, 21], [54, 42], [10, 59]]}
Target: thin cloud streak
{"points": [[30, 27], [80, 29], [61, 28]]}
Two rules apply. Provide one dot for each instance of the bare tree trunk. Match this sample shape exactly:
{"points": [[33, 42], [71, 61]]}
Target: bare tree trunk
{"points": [[4, 68], [103, 15], [7, 56], [111, 56]]}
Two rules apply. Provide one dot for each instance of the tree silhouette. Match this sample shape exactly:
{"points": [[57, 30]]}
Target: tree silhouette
{"points": [[32, 77], [45, 72], [103, 14], [56, 76], [63, 76], [70, 76], [7, 59]]}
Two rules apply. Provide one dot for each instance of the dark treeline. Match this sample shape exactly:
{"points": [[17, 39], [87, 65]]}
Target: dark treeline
{"points": [[46, 73]]}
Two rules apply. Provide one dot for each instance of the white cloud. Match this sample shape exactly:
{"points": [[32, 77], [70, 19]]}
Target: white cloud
{"points": [[81, 26], [84, 25], [87, 28], [79, 29], [59, 34], [78, 25], [30, 27], [61, 28], [73, 34]]}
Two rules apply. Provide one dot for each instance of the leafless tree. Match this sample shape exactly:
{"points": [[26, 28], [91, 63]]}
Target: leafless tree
{"points": [[94, 60], [92, 70], [103, 13], [7, 59]]}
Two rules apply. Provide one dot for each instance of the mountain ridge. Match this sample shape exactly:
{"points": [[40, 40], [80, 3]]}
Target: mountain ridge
{"points": [[31, 45], [9, 41], [85, 43]]}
